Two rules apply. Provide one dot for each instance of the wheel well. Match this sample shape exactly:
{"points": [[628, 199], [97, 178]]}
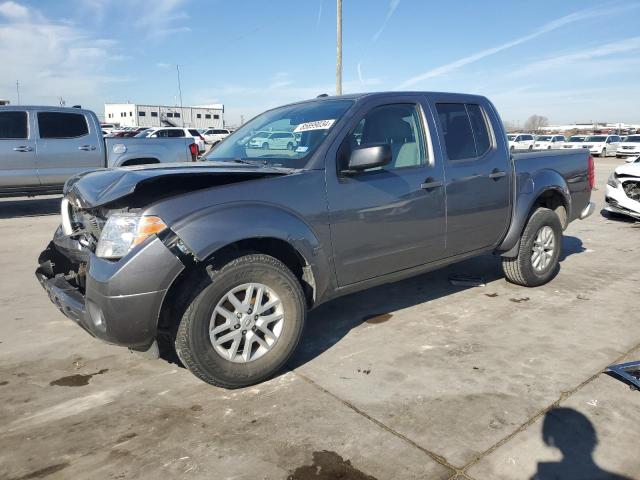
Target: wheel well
{"points": [[182, 290], [553, 200], [139, 161]]}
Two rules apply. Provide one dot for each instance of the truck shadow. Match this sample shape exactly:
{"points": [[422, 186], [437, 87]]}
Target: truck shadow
{"points": [[29, 207], [332, 321]]}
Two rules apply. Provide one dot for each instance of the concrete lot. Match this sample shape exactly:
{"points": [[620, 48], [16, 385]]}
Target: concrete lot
{"points": [[417, 379]]}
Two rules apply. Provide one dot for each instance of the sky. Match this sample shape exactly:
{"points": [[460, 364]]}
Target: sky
{"points": [[576, 60]]}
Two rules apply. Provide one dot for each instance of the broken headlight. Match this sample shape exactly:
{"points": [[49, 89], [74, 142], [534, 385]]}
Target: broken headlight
{"points": [[123, 231], [613, 180]]}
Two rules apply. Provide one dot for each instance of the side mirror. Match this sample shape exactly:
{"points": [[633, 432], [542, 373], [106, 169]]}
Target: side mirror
{"points": [[369, 157]]}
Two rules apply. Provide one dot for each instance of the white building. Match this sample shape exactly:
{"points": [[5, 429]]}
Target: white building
{"points": [[134, 115]]}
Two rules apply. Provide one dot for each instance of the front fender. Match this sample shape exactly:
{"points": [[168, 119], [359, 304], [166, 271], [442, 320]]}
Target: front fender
{"points": [[528, 190], [213, 228]]}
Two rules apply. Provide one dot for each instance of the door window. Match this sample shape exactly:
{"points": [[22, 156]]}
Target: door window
{"points": [[13, 125], [397, 125], [465, 131], [175, 133], [62, 125]]}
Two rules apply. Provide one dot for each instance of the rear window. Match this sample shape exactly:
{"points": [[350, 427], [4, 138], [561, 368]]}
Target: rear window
{"points": [[466, 134], [13, 125], [175, 133], [62, 125], [633, 138]]}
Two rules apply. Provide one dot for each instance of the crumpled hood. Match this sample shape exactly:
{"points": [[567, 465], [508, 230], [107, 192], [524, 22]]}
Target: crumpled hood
{"points": [[100, 187], [631, 169]]}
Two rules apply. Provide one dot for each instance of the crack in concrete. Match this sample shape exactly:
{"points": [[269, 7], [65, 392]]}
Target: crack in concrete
{"points": [[439, 459], [563, 396], [461, 472]]}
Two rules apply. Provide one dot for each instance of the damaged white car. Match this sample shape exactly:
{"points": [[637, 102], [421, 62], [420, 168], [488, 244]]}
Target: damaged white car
{"points": [[623, 190]]}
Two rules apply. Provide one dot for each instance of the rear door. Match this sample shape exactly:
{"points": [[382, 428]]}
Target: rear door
{"points": [[17, 150], [392, 218], [67, 144], [478, 173]]}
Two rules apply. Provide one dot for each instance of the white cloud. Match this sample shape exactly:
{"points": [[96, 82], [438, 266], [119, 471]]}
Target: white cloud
{"points": [[161, 17], [570, 60], [13, 11], [393, 4], [52, 59], [546, 28]]}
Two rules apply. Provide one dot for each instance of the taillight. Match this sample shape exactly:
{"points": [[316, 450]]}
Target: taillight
{"points": [[193, 148], [591, 172]]}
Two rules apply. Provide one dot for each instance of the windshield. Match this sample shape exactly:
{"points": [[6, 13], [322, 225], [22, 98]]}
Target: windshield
{"points": [[272, 137], [596, 138], [143, 133], [511, 137], [576, 139], [543, 138], [633, 138]]}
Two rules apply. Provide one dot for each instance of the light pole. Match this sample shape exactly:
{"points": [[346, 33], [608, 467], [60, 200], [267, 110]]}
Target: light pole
{"points": [[180, 91], [339, 49]]}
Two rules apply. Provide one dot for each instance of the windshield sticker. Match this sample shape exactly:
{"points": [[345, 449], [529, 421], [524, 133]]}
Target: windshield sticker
{"points": [[302, 149], [317, 125]]}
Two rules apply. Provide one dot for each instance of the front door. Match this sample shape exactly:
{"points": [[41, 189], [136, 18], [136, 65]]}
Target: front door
{"points": [[391, 218], [66, 146], [17, 151], [478, 173]]}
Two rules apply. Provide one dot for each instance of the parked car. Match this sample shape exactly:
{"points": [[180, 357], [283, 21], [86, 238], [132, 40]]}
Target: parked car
{"points": [[630, 147], [622, 194], [273, 141], [174, 132], [107, 127], [215, 135], [223, 258], [41, 147], [549, 142], [602, 145], [575, 141], [520, 141]]}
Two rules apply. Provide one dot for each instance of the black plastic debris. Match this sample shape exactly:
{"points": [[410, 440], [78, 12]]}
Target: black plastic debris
{"points": [[628, 373], [466, 281]]}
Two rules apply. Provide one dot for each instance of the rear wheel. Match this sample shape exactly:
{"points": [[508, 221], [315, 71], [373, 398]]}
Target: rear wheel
{"points": [[244, 323], [539, 252]]}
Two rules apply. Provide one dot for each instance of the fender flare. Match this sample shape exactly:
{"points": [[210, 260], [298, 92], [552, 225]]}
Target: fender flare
{"points": [[208, 231], [529, 188]]}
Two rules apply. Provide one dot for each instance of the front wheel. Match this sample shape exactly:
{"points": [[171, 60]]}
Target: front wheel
{"points": [[289, 146], [244, 323], [603, 153], [539, 252], [265, 146]]}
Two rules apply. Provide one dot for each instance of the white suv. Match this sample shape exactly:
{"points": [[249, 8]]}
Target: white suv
{"points": [[602, 145], [215, 135], [273, 140], [520, 141], [630, 147], [549, 142], [575, 141], [171, 132]]}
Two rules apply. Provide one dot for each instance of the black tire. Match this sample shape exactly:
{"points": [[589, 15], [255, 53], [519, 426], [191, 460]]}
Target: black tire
{"points": [[265, 146], [530, 147], [512, 148], [520, 270], [192, 342], [289, 146], [603, 153]]}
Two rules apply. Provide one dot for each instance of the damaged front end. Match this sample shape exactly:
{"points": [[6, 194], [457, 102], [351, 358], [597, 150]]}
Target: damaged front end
{"points": [[623, 194]]}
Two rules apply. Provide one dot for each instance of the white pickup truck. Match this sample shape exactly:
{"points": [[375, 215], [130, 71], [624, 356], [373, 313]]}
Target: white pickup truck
{"points": [[41, 147]]}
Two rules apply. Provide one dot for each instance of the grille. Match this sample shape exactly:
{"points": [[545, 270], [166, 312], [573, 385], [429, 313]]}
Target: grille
{"points": [[632, 189]]}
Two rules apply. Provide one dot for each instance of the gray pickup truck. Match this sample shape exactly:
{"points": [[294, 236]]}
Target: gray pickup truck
{"points": [[41, 147], [223, 259]]}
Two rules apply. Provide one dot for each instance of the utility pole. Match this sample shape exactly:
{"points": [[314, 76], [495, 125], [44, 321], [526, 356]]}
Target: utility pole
{"points": [[18, 90], [339, 49], [180, 91]]}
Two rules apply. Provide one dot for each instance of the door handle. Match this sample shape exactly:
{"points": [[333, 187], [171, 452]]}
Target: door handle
{"points": [[23, 148], [496, 174], [430, 184], [86, 148]]}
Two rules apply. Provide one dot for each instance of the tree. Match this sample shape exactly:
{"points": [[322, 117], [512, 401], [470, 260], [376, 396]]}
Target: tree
{"points": [[535, 122]]}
